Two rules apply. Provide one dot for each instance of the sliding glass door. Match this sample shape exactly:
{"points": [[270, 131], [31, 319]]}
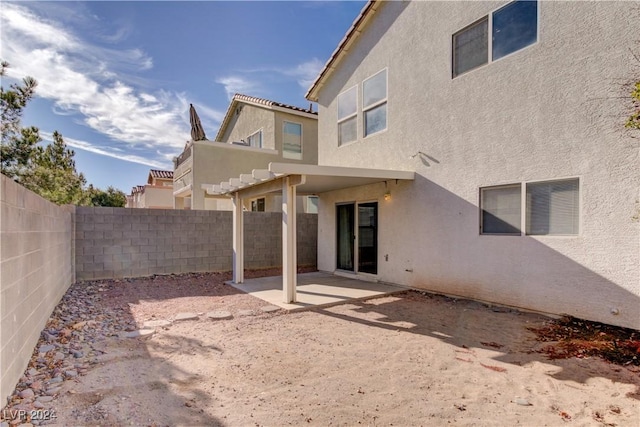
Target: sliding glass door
{"points": [[364, 237]]}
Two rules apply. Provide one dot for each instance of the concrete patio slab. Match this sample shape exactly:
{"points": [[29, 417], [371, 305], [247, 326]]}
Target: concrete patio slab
{"points": [[315, 289]]}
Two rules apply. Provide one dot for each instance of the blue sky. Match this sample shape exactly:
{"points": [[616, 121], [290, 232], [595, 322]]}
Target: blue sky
{"points": [[116, 78]]}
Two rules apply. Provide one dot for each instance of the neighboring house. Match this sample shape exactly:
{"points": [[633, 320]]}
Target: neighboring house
{"points": [[253, 133], [502, 122], [156, 194]]}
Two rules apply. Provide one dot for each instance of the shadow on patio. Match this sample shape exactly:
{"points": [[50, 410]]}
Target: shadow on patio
{"points": [[315, 289]]}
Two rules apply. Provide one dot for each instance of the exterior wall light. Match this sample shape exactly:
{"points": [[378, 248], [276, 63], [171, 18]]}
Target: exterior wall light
{"points": [[387, 195]]}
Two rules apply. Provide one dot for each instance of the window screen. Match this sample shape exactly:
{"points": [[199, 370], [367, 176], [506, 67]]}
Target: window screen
{"points": [[501, 209], [552, 207], [470, 47]]}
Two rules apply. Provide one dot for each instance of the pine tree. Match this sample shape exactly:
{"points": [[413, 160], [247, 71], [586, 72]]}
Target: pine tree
{"points": [[54, 174], [17, 144]]}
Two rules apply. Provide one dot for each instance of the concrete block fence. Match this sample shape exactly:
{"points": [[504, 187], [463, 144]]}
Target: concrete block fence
{"points": [[36, 269], [45, 248], [118, 242]]}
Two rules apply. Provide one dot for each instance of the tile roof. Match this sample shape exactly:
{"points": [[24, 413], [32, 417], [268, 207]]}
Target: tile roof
{"points": [[137, 189], [161, 174], [238, 97], [352, 34], [268, 103]]}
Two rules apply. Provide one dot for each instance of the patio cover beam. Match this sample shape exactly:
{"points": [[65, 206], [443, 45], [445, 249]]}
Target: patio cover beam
{"points": [[289, 233], [238, 240]]}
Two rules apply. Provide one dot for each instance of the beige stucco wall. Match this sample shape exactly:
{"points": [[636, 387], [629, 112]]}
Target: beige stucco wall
{"points": [[309, 136], [214, 162], [552, 110], [249, 120], [156, 197], [36, 268]]}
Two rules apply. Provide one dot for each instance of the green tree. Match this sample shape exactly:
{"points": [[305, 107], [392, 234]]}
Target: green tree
{"points": [[49, 171], [53, 174], [112, 197], [18, 145]]}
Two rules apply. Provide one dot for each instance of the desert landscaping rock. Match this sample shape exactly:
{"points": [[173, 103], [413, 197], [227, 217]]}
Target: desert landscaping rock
{"points": [[140, 333], [270, 308], [219, 315], [53, 391], [26, 393], [185, 316], [46, 348], [150, 324], [44, 399]]}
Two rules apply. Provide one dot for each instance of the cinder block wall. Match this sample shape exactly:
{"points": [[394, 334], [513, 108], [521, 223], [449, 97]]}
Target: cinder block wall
{"points": [[36, 269], [118, 242]]}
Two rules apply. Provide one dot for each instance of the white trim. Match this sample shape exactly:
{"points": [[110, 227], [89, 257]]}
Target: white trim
{"points": [[356, 238], [300, 169], [185, 189]]}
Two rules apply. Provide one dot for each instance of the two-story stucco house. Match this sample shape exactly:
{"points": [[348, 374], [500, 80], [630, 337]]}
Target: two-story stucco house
{"points": [[253, 133], [157, 193], [477, 149]]}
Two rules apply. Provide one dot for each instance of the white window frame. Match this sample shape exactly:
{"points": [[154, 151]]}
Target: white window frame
{"points": [[259, 131], [489, 18], [523, 207], [317, 208], [289, 155], [481, 205], [348, 117], [376, 104]]}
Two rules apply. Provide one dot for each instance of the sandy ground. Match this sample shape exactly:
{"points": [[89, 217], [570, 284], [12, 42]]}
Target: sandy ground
{"points": [[402, 360]]}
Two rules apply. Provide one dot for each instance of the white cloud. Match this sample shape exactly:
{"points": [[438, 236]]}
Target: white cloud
{"points": [[81, 78], [238, 84], [306, 72]]}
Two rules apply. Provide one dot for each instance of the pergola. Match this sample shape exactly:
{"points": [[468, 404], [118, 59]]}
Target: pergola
{"points": [[290, 179]]}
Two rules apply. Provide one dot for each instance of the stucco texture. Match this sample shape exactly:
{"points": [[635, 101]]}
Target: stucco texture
{"points": [[552, 110]]}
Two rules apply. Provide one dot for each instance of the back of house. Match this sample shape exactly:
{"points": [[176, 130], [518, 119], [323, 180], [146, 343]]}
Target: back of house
{"points": [[512, 116]]}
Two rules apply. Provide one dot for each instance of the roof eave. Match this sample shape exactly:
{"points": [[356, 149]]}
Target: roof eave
{"points": [[343, 47]]}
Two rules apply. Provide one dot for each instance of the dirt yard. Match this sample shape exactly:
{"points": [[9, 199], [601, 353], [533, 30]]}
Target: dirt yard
{"points": [[402, 360]]}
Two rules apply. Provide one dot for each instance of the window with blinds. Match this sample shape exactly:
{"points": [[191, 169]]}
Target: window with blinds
{"points": [[552, 207], [501, 209], [502, 32]]}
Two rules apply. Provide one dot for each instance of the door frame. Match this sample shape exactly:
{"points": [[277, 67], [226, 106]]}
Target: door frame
{"points": [[356, 237]]}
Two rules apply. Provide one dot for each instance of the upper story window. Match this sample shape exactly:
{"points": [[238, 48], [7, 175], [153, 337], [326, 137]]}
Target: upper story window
{"points": [[470, 47], [512, 27], [374, 103], [255, 139], [292, 140], [348, 116]]}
